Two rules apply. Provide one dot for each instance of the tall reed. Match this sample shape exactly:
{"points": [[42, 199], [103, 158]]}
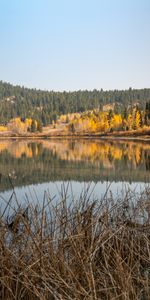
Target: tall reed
{"points": [[83, 249]]}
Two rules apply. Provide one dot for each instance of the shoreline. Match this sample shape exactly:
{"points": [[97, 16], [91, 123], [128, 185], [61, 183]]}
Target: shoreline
{"points": [[113, 137]]}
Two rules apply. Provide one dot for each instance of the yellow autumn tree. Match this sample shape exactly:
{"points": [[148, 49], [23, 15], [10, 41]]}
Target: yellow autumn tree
{"points": [[28, 123], [3, 128], [102, 123], [116, 121], [17, 126], [130, 121], [137, 120], [92, 125]]}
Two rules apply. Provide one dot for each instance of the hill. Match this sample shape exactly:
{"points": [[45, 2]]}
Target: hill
{"points": [[48, 105]]}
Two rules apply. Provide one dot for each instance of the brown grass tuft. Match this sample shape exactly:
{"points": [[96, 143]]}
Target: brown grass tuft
{"points": [[80, 250]]}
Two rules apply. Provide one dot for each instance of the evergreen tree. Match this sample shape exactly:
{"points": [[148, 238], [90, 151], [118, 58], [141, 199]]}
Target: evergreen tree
{"points": [[125, 114], [44, 121], [71, 128], [39, 126], [147, 114], [67, 119], [33, 126], [110, 115]]}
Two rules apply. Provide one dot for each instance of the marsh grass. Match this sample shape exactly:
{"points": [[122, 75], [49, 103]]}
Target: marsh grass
{"points": [[83, 249]]}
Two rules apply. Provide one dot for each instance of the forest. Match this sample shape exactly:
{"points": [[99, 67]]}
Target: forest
{"points": [[47, 106]]}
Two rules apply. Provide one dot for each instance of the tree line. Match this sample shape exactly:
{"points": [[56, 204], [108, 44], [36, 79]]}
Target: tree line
{"points": [[47, 106]]}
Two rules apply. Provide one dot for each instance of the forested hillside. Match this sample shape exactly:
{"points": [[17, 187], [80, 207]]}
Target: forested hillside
{"points": [[47, 106]]}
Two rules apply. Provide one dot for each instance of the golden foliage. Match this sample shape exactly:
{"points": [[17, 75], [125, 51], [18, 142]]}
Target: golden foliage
{"points": [[104, 121], [99, 153], [18, 126], [28, 122], [116, 121], [3, 128], [95, 121], [18, 149], [137, 120]]}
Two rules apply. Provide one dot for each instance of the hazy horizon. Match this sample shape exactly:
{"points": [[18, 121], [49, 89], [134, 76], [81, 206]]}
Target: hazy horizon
{"points": [[75, 45]]}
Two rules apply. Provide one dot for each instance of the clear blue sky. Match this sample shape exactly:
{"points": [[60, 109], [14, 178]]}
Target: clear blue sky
{"points": [[75, 44]]}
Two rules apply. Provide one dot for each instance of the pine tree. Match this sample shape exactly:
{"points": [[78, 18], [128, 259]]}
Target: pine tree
{"points": [[72, 127], [125, 114], [110, 115], [39, 126], [33, 126], [147, 114]]}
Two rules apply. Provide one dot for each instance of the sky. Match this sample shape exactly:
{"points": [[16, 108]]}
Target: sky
{"points": [[75, 44]]}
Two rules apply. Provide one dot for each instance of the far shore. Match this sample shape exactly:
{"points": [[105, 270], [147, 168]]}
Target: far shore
{"points": [[136, 135]]}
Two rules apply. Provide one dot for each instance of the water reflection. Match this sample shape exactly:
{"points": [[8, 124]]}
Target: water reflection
{"points": [[30, 161], [70, 190], [95, 151]]}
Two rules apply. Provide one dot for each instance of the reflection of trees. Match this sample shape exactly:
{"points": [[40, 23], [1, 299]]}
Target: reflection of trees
{"points": [[72, 145], [21, 148], [147, 160], [72, 150], [70, 159], [98, 151]]}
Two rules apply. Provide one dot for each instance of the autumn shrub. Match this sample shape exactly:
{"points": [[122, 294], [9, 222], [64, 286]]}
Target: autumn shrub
{"points": [[3, 128], [76, 248]]}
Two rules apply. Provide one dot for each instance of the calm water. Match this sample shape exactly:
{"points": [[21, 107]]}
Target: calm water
{"points": [[43, 165]]}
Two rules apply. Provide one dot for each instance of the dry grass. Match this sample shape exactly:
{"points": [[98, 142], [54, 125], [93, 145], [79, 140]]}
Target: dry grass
{"points": [[83, 250]]}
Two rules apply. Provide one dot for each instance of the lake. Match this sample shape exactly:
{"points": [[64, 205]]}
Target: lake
{"points": [[36, 166]]}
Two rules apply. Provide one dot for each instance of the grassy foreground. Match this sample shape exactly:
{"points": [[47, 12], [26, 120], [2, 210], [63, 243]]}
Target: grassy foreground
{"points": [[85, 249]]}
